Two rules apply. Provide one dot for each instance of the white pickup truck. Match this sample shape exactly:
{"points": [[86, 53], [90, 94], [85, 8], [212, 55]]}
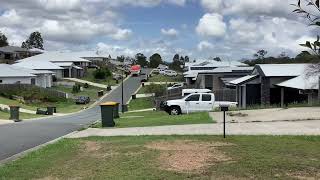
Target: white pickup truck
{"points": [[196, 102]]}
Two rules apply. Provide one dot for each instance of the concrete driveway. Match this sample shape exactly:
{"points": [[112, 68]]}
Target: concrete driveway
{"points": [[269, 115]]}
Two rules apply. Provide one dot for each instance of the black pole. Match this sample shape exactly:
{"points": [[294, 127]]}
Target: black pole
{"points": [[224, 124], [122, 105]]}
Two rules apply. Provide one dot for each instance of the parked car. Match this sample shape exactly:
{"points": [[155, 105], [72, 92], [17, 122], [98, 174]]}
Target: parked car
{"points": [[155, 71], [196, 102], [82, 100], [144, 78], [117, 76], [176, 86], [162, 71], [186, 92], [170, 73]]}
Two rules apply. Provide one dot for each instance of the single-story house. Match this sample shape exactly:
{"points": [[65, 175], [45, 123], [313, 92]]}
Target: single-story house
{"points": [[218, 80], [193, 69], [276, 84], [10, 54], [11, 74], [64, 64]]}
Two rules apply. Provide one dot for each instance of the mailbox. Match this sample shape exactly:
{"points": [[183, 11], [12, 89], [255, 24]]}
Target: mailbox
{"points": [[224, 106]]}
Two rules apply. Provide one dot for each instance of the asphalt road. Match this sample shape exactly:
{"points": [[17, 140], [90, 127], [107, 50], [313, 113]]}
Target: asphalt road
{"points": [[18, 137]]}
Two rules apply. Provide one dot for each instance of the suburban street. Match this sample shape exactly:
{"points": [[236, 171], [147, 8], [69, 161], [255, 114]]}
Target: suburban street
{"points": [[18, 137]]}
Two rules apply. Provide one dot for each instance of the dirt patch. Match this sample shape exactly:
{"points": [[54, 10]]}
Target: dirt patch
{"points": [[189, 156], [91, 146], [304, 176]]}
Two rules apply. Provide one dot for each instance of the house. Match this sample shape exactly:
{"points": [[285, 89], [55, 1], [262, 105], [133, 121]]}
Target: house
{"points": [[163, 67], [64, 64], [278, 84], [11, 74], [193, 69], [10, 54], [218, 80]]}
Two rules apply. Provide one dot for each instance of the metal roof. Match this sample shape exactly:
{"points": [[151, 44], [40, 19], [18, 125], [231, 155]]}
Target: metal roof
{"points": [[38, 65], [55, 56], [14, 71], [302, 82], [243, 79], [12, 49], [281, 70]]}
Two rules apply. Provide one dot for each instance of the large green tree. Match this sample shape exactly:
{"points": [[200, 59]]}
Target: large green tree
{"points": [[141, 59], [3, 40], [34, 41], [155, 60]]}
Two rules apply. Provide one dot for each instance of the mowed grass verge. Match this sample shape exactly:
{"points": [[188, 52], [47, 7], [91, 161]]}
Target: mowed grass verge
{"points": [[172, 157], [23, 116], [141, 103], [158, 118]]}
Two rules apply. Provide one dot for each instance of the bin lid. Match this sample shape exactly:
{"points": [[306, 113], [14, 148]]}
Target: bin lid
{"points": [[109, 104]]}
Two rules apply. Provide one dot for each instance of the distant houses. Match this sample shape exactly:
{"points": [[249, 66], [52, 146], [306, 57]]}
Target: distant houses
{"points": [[11, 74], [10, 54], [63, 64], [265, 84]]}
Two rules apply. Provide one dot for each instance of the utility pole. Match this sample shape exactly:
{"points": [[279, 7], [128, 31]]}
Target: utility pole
{"points": [[122, 105]]}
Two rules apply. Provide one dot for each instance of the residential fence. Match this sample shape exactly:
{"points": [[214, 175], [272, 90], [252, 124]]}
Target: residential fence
{"points": [[15, 87], [225, 95]]}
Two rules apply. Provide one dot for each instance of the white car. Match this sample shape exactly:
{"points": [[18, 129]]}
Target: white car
{"points": [[175, 86], [197, 102], [186, 92], [170, 73], [162, 71]]}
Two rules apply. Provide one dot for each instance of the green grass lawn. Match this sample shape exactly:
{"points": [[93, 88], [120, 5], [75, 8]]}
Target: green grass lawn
{"points": [[92, 91], [158, 118], [67, 106], [141, 103], [89, 77], [6, 115], [163, 78], [172, 157]]}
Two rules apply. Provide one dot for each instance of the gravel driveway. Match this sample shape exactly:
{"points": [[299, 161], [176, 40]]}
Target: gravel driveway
{"points": [[267, 115]]}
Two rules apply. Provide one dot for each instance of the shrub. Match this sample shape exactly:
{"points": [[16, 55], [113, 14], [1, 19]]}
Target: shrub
{"points": [[76, 88], [86, 85], [102, 73], [158, 89]]}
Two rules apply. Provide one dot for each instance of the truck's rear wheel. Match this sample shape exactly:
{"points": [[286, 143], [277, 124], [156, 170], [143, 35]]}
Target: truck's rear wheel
{"points": [[175, 111]]}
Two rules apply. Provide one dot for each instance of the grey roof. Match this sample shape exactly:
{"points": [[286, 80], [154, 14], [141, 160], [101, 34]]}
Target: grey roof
{"points": [[12, 49], [38, 65], [242, 80], [14, 71], [281, 70]]}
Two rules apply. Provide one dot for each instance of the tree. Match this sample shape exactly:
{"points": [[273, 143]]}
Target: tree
{"points": [[155, 60], [182, 60], [310, 9], [141, 59], [121, 58], [260, 54], [176, 57], [218, 59], [187, 59], [3, 40], [34, 41]]}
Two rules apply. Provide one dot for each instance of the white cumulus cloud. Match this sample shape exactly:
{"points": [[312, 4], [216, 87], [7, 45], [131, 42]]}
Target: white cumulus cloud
{"points": [[211, 24], [169, 32]]}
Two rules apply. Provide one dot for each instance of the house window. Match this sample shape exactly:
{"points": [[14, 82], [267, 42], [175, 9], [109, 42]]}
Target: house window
{"points": [[0, 81], [6, 56]]}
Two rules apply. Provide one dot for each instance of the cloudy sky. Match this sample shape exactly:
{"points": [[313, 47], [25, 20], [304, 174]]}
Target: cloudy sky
{"points": [[231, 29]]}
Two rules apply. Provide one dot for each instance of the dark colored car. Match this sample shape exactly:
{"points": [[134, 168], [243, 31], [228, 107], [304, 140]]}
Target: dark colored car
{"points": [[83, 100], [144, 78]]}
